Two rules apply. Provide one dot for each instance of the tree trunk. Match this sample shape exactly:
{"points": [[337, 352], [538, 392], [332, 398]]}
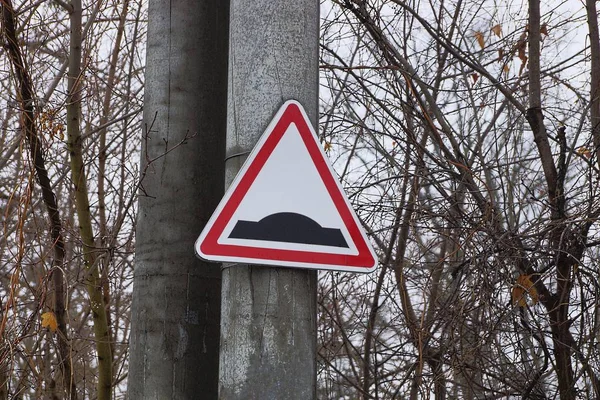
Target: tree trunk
{"points": [[176, 297], [26, 97], [82, 205], [594, 37]]}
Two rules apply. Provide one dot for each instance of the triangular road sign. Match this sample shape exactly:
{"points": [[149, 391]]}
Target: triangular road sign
{"points": [[286, 208]]}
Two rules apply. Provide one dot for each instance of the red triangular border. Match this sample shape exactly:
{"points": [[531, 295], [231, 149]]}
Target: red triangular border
{"points": [[210, 249]]}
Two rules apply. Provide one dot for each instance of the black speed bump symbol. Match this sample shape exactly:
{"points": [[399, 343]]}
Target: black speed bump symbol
{"points": [[290, 228]]}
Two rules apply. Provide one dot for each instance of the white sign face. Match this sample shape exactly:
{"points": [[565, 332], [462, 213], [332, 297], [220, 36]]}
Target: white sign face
{"points": [[286, 208]]}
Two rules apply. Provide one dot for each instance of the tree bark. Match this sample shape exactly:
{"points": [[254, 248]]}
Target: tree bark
{"points": [[82, 206], [559, 311], [592, 15], [26, 97]]}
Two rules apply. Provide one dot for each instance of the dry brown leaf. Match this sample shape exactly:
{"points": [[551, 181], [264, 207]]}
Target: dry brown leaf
{"points": [[500, 54], [49, 321], [480, 39], [524, 286], [544, 29], [497, 30], [584, 151], [521, 49], [506, 68], [523, 64], [518, 296], [475, 76]]}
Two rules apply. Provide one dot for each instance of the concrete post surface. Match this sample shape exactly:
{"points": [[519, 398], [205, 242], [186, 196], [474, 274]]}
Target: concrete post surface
{"points": [[176, 297], [268, 319]]}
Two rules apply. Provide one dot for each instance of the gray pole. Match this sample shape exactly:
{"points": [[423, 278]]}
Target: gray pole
{"points": [[176, 297], [268, 318]]}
